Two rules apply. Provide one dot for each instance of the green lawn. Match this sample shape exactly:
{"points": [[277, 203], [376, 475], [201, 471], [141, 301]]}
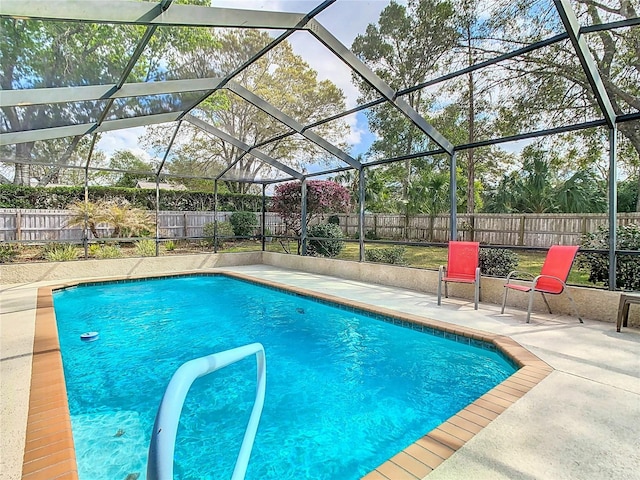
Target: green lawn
{"points": [[433, 257], [423, 257]]}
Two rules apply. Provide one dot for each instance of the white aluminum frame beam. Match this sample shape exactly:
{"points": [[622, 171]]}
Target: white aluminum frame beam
{"points": [[38, 96], [292, 123], [147, 13], [241, 145], [84, 129]]}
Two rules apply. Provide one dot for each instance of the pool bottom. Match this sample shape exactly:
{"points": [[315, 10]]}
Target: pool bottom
{"points": [[49, 448]]}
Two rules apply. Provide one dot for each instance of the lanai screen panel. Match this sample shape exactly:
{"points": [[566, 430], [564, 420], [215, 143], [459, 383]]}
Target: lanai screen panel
{"points": [[191, 54], [540, 91], [617, 55], [252, 170], [179, 53]]}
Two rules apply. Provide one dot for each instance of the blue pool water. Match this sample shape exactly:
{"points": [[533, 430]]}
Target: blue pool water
{"points": [[345, 392]]}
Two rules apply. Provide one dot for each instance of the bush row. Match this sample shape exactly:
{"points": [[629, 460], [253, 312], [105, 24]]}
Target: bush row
{"points": [[17, 196]]}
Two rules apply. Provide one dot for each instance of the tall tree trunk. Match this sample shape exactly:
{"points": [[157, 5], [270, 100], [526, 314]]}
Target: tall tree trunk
{"points": [[471, 134], [54, 173], [22, 173]]}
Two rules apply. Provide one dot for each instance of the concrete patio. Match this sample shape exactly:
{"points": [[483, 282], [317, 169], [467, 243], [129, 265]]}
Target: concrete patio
{"points": [[581, 422]]}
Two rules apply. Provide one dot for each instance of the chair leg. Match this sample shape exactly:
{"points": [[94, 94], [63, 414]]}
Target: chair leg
{"points": [[573, 304], [440, 272], [477, 292], [504, 298], [530, 305], [546, 303]]}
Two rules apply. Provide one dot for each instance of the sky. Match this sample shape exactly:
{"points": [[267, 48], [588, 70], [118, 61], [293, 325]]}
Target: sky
{"points": [[345, 19]]}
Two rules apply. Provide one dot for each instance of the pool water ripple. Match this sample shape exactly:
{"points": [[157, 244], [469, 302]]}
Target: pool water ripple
{"points": [[345, 392]]}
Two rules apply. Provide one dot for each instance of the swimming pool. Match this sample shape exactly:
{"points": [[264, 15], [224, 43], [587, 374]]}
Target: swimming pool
{"points": [[378, 378]]}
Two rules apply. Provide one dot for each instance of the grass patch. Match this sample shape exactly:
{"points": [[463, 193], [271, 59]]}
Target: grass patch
{"points": [[420, 257], [433, 257]]}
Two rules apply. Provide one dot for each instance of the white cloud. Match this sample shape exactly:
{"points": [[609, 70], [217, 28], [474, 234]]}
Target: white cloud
{"points": [[126, 139], [356, 131]]}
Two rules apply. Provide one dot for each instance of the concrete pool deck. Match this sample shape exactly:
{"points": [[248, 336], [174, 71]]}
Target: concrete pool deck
{"points": [[581, 422]]}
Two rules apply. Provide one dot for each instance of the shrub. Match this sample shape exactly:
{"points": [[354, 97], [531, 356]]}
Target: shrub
{"points": [[57, 252], [8, 251], [368, 235], [323, 197], [325, 248], [145, 247], [105, 250], [18, 196], [392, 255], [243, 223], [170, 245], [497, 262], [627, 267], [334, 220], [225, 229], [126, 220]]}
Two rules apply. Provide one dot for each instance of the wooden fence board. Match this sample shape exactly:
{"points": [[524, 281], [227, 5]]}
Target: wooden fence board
{"points": [[534, 230]]}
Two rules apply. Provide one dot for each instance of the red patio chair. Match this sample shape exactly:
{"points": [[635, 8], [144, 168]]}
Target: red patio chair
{"points": [[462, 267], [551, 280]]}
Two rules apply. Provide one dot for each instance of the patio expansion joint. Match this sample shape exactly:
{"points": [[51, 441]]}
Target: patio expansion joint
{"points": [[604, 384]]}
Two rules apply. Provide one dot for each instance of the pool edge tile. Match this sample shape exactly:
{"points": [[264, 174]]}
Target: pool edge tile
{"points": [[49, 451]]}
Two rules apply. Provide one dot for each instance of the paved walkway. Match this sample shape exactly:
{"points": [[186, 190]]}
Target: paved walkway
{"points": [[582, 421]]}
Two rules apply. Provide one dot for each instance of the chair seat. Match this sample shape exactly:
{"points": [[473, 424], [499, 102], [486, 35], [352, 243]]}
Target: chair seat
{"points": [[553, 275], [515, 286], [460, 279]]}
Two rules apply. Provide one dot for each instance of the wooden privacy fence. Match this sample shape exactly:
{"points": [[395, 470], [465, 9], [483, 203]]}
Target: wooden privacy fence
{"points": [[531, 230], [31, 225]]}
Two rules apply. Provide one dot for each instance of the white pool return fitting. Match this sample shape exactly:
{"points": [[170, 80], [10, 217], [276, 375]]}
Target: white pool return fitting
{"points": [[163, 438]]}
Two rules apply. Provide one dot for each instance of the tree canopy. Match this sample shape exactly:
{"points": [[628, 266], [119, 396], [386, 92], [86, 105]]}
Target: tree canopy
{"points": [[280, 77]]}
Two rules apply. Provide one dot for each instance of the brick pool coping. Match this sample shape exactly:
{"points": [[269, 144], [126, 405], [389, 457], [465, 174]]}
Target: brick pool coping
{"points": [[49, 451]]}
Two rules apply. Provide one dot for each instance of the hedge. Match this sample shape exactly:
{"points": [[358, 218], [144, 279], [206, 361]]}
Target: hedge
{"points": [[18, 196]]}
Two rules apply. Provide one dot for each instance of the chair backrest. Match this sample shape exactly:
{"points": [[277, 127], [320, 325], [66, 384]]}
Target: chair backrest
{"points": [[557, 264], [463, 259]]}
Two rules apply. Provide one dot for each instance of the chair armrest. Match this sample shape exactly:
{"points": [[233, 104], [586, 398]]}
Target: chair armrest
{"points": [[535, 280], [520, 273]]}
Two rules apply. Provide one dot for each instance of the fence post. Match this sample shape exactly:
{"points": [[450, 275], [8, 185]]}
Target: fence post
{"points": [[185, 230], [521, 233], [18, 225]]}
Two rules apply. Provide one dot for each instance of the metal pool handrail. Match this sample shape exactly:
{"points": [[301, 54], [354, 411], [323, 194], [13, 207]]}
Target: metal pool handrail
{"points": [[163, 438]]}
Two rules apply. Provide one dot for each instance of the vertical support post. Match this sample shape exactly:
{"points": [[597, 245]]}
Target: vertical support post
{"points": [[157, 215], [303, 218], [613, 206], [160, 167], [85, 235], [215, 216], [264, 212], [453, 198], [361, 207], [85, 230]]}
